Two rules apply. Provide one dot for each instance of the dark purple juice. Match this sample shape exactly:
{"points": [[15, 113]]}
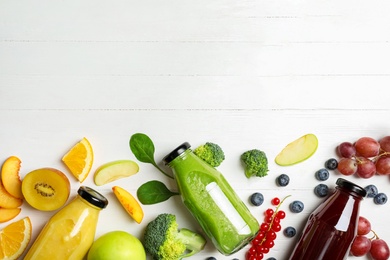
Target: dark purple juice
{"points": [[331, 228]]}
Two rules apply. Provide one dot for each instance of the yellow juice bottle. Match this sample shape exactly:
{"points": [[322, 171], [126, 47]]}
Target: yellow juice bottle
{"points": [[71, 231]]}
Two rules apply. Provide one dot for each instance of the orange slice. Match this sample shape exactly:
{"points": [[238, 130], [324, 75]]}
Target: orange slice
{"points": [[79, 159], [14, 239]]}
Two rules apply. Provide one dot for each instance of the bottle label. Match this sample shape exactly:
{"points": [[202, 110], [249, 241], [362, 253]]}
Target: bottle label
{"points": [[227, 208]]}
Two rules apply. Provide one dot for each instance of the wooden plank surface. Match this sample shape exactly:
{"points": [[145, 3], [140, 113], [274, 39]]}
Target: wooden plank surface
{"points": [[243, 74]]}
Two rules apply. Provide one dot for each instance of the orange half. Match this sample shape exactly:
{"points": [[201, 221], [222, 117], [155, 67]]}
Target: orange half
{"points": [[14, 239], [79, 159]]}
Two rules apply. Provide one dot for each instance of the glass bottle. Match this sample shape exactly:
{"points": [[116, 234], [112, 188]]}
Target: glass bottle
{"points": [[212, 201], [69, 233], [331, 228]]}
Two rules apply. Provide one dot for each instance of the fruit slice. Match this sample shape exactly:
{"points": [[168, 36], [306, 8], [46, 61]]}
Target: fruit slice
{"points": [[14, 239], [79, 159], [129, 203], [298, 150], [8, 214], [10, 177], [7, 200], [46, 189], [112, 171]]}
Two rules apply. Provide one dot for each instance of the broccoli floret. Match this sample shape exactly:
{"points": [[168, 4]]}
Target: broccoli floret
{"points": [[210, 153], [164, 241], [256, 163]]}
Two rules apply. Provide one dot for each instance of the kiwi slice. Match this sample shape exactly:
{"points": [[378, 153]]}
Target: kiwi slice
{"points": [[46, 189]]}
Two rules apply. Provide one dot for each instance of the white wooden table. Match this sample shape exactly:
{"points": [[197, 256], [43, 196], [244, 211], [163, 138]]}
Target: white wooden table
{"points": [[243, 74]]}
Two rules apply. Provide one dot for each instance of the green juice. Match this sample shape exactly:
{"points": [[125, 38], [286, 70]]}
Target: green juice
{"points": [[212, 201]]}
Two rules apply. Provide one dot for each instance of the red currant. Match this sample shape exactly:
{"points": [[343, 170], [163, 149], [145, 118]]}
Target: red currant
{"points": [[260, 235], [261, 249], [281, 214], [269, 212], [269, 243], [252, 250], [249, 256], [276, 227], [256, 241], [267, 219], [275, 201], [271, 235], [264, 227]]}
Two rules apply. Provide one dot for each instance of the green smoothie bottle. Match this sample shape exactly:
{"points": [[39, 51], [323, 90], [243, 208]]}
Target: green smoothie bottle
{"points": [[211, 200]]}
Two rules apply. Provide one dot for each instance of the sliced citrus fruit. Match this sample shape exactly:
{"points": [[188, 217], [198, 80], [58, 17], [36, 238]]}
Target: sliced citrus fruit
{"points": [[14, 239], [79, 159]]}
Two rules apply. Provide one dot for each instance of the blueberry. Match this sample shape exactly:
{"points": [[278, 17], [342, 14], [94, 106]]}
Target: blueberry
{"points": [[257, 199], [283, 180], [271, 258], [321, 190], [211, 258], [380, 198], [322, 174], [331, 164], [371, 190], [289, 231], [296, 206]]}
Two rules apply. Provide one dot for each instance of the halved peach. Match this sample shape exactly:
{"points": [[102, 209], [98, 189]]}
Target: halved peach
{"points": [[10, 177], [8, 214], [46, 189], [129, 203]]}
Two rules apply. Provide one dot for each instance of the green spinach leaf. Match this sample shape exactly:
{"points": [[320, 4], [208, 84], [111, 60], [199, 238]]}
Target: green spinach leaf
{"points": [[143, 149], [153, 192]]}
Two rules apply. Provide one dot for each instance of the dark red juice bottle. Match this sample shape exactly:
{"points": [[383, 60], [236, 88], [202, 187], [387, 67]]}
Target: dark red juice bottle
{"points": [[331, 228]]}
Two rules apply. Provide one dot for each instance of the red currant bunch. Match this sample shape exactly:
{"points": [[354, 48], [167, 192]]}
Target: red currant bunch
{"points": [[265, 238]]}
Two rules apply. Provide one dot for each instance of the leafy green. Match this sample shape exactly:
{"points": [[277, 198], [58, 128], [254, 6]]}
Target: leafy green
{"points": [[143, 149], [153, 192]]}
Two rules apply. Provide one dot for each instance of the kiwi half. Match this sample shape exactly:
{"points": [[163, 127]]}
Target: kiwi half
{"points": [[46, 189]]}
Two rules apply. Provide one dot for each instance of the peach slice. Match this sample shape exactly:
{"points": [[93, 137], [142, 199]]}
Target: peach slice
{"points": [[8, 214], [129, 203], [10, 177], [46, 189], [7, 200]]}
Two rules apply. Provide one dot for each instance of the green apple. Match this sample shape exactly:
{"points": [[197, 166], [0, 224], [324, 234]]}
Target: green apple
{"points": [[114, 170], [118, 245], [298, 150]]}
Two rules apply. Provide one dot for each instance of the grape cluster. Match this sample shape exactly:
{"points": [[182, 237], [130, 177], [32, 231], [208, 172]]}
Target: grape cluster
{"points": [[366, 157], [362, 245], [265, 238]]}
